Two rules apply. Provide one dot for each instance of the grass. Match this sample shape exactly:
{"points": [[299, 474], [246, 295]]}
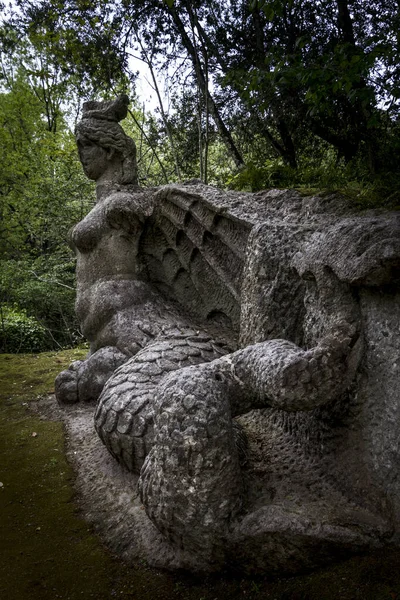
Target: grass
{"points": [[47, 551]]}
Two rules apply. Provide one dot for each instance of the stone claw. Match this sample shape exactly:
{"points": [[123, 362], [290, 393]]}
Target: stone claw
{"points": [[66, 384]]}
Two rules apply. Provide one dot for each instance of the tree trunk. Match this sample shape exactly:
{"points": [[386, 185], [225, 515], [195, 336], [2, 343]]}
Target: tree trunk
{"points": [[222, 129], [148, 62], [345, 24], [150, 145], [289, 154]]}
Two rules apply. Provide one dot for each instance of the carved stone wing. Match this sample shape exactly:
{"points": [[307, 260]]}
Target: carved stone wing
{"points": [[193, 250]]}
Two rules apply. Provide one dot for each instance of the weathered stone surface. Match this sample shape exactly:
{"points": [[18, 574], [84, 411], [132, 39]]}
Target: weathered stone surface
{"points": [[246, 347]]}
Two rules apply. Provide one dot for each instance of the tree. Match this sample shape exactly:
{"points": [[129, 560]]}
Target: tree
{"points": [[42, 190], [76, 42], [316, 66], [42, 194], [290, 67]]}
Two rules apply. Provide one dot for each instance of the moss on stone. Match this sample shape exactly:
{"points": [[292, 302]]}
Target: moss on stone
{"points": [[47, 551]]}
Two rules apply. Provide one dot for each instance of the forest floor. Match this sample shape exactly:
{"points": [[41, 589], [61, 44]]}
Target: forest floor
{"points": [[48, 551]]}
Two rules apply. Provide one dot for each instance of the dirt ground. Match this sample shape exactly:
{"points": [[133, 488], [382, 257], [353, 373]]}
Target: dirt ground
{"points": [[69, 515]]}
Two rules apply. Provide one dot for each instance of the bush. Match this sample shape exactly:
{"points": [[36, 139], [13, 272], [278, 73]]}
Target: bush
{"points": [[252, 178], [19, 332], [353, 180], [43, 288]]}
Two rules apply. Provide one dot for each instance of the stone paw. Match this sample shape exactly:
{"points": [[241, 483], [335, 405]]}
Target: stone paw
{"points": [[66, 384]]}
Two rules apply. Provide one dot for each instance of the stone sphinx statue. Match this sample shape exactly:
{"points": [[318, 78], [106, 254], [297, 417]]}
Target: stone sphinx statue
{"points": [[244, 361], [119, 311]]}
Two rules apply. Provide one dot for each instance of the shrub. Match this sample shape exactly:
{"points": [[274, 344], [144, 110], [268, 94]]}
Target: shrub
{"points": [[252, 178], [19, 332], [43, 288]]}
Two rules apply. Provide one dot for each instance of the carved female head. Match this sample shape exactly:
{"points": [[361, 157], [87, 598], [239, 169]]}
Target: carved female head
{"points": [[102, 143]]}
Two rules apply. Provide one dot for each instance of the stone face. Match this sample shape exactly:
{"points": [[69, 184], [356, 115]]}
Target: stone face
{"points": [[245, 356]]}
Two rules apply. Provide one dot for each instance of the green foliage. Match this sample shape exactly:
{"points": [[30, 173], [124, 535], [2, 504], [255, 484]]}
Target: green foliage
{"points": [[254, 178], [353, 180], [43, 193], [42, 188], [44, 288], [286, 70], [19, 332]]}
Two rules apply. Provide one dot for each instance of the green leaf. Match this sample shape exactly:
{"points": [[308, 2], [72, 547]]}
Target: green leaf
{"points": [[269, 12]]}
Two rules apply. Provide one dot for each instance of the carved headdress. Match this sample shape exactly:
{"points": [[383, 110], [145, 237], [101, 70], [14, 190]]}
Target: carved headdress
{"points": [[114, 110], [100, 124]]}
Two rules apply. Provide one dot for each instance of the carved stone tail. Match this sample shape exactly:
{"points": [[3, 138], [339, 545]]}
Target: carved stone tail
{"points": [[124, 418], [191, 483]]}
